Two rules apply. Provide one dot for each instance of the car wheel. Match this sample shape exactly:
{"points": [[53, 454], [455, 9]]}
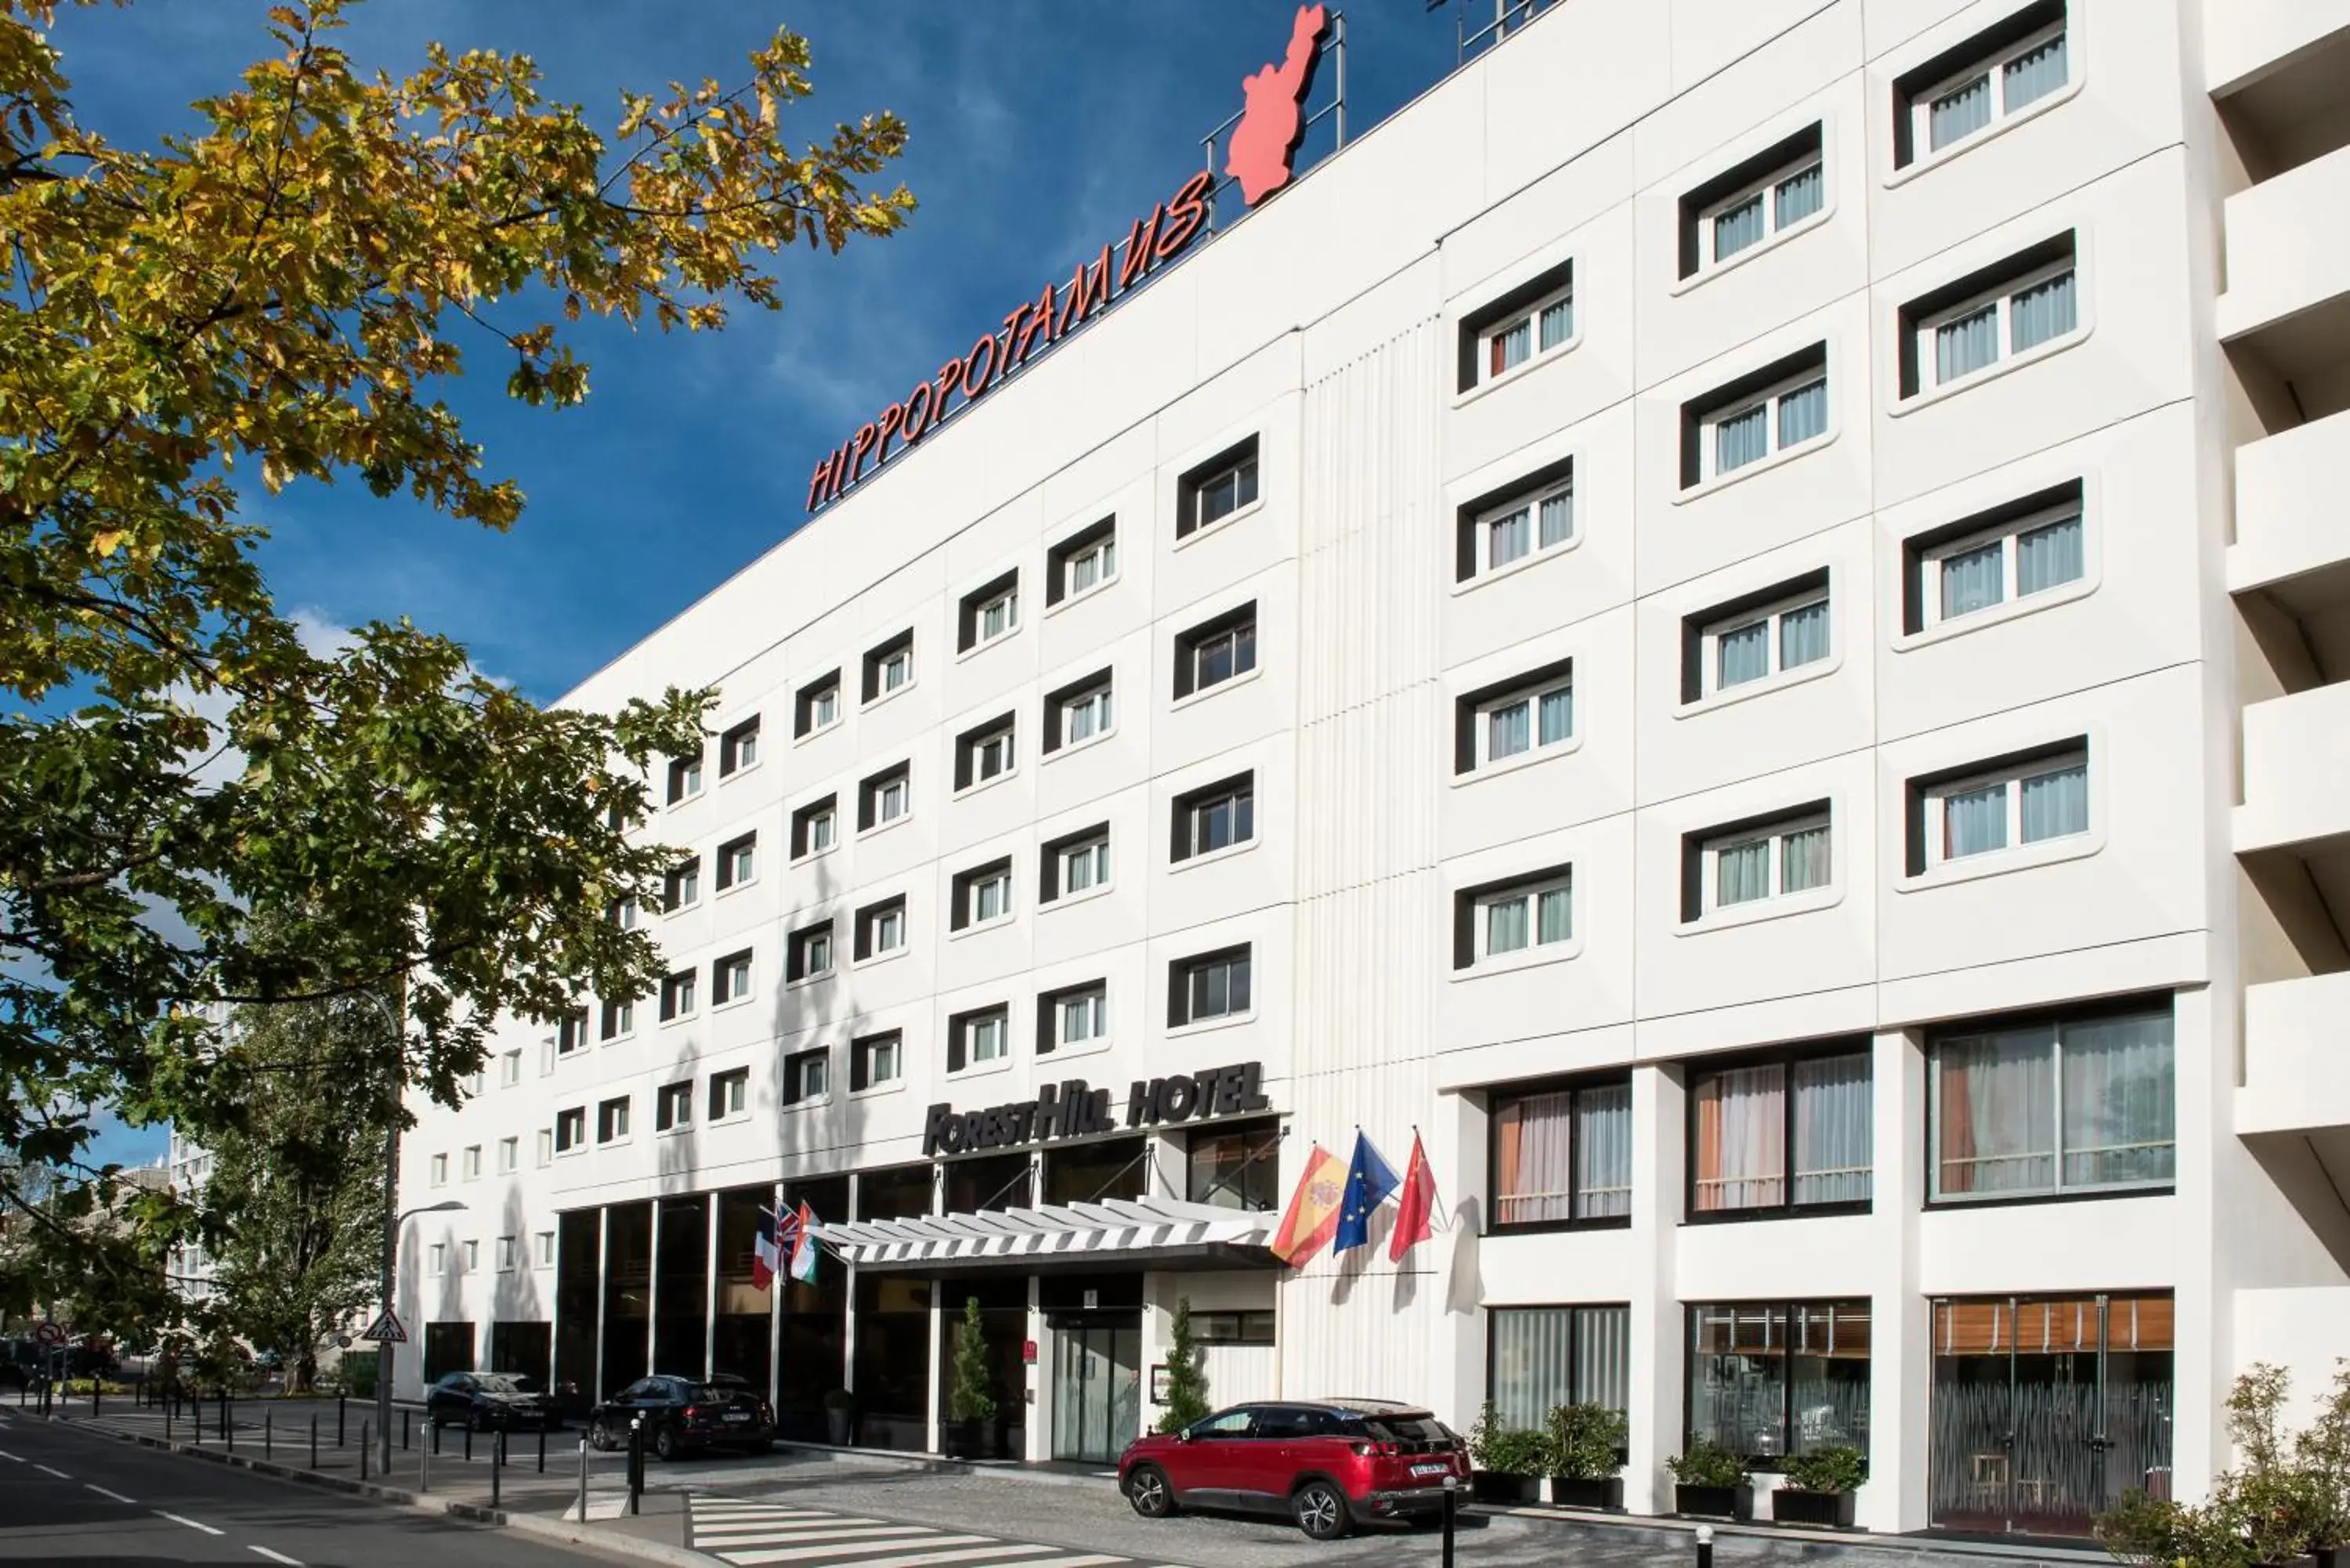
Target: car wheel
{"points": [[1149, 1491], [1320, 1509], [598, 1439], [474, 1422], [665, 1444]]}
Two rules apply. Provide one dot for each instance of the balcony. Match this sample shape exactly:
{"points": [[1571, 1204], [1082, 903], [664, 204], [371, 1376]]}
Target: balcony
{"points": [[2296, 1059], [2296, 757], [2289, 540], [2246, 42], [2288, 299]]}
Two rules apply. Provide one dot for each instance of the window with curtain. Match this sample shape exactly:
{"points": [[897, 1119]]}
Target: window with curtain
{"points": [[1761, 861], [1524, 916], [2036, 306], [1528, 522], [1524, 718], [1538, 1357], [1562, 1156], [1789, 1133], [1767, 1379], [2000, 81], [2015, 806], [1526, 335], [1752, 428], [1770, 206], [2030, 555], [1769, 639], [2039, 1110]]}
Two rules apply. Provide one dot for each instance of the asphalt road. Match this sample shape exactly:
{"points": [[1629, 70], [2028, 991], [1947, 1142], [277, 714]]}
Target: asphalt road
{"points": [[76, 1498]]}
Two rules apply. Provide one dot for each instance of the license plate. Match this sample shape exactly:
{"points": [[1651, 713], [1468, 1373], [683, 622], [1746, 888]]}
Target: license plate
{"points": [[1430, 1470], [737, 1416]]}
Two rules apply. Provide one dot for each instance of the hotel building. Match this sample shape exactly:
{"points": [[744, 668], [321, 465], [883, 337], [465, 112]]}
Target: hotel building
{"points": [[1731, 617]]}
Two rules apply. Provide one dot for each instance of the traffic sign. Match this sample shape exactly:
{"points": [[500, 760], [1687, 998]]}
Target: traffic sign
{"points": [[386, 1329], [49, 1333], [342, 1342]]}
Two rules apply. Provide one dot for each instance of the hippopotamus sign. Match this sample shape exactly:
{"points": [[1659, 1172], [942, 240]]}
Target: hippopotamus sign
{"points": [[1265, 141]]}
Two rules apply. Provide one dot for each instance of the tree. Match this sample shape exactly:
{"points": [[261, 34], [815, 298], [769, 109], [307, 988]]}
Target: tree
{"points": [[1186, 1381], [278, 296], [296, 1188], [971, 1399]]}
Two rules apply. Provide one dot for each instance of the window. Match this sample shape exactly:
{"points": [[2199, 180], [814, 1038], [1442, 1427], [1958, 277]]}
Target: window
{"points": [[730, 1094], [509, 1155], [1771, 1378], [815, 827], [1533, 320], [738, 748], [874, 1061], [1499, 921], [472, 1163], [988, 612], [983, 752], [547, 1137], [2005, 555], [677, 1000], [1770, 193], [1215, 817], [683, 885], [509, 1069], [973, 1038], [2034, 798], [890, 669], [729, 978], [882, 928], [438, 1168], [1234, 1168], [474, 1083], [684, 777], [1520, 717], [982, 893], [571, 1032], [542, 1250], [1767, 858], [2026, 302], [1782, 629], [1075, 1017], [1536, 515], [738, 861], [1216, 651], [2042, 1107], [816, 705], [473, 1255], [1990, 78], [612, 1120], [506, 1255], [1077, 713], [437, 1257], [1083, 562], [672, 1106], [620, 1019], [1209, 987], [1539, 1357], [1076, 863], [886, 797], [1780, 408], [1562, 1156], [622, 913], [1216, 489], [808, 953], [807, 1076], [1756, 1147]]}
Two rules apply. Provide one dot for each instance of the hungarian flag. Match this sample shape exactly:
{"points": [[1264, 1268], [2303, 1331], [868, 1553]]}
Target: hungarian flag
{"points": [[1369, 1180], [804, 1244], [1416, 1208], [1313, 1216], [766, 1255]]}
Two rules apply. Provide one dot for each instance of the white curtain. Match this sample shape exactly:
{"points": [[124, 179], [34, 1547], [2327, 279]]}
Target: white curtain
{"points": [[1555, 922], [1533, 1369], [1967, 343], [1603, 1152], [2044, 311], [1995, 1113], [1741, 439], [1506, 731], [1804, 635], [1533, 1172], [2033, 76], [1743, 655], [1977, 822], [1741, 873], [1799, 195], [1803, 413], [1506, 925], [1511, 348], [1834, 1116], [1603, 1357], [1507, 538], [1742, 1138], [1974, 580], [1558, 323], [1557, 518], [2120, 1114], [1804, 860], [1557, 715], [2047, 556], [1959, 112], [2056, 804], [1738, 228]]}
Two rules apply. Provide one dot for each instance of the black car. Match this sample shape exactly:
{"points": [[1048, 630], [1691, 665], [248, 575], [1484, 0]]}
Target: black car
{"points": [[681, 1413], [489, 1401]]}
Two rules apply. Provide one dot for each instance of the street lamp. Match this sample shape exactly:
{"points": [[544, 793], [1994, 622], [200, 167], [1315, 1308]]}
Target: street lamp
{"points": [[383, 1350]]}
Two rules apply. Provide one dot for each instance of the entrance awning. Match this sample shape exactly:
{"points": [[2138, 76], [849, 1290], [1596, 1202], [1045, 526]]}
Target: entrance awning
{"points": [[1138, 1233]]}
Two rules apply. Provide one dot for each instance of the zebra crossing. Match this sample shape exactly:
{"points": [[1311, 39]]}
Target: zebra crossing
{"points": [[752, 1534]]}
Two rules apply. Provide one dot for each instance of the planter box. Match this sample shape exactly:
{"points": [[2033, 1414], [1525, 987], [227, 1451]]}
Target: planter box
{"points": [[1605, 1492], [840, 1427], [1508, 1491], [1831, 1509], [1714, 1501]]}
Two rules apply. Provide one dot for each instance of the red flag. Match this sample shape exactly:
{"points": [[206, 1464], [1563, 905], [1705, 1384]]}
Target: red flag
{"points": [[1313, 1216], [1415, 1204]]}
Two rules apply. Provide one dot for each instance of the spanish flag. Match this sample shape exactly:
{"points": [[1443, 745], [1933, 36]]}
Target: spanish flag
{"points": [[1313, 1216]]}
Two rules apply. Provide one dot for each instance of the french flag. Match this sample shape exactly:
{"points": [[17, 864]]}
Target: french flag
{"points": [[766, 1255]]}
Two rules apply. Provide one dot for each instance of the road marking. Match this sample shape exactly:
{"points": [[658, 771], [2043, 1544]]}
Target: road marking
{"points": [[12, 1459], [779, 1526], [858, 1555], [191, 1524], [277, 1557], [59, 1474], [103, 1492], [995, 1553]]}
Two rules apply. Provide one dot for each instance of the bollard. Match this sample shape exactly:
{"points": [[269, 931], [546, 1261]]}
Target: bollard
{"points": [[424, 1467], [93, 1396], [403, 1432], [1451, 1509], [434, 1428], [636, 1462], [338, 1420], [583, 1480], [468, 1442], [542, 1450], [228, 1424], [1705, 1546], [198, 1406], [363, 1450], [166, 1421], [497, 1464], [313, 1440], [267, 1450]]}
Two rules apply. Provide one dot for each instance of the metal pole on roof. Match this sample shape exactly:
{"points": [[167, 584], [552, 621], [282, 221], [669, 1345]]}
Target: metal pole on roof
{"points": [[1339, 42]]}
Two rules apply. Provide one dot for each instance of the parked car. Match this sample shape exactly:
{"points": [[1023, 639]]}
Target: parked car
{"points": [[1328, 1464], [681, 1413], [488, 1402]]}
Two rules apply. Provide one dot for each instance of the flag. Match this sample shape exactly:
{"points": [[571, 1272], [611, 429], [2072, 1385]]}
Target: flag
{"points": [[1313, 1210], [766, 1256], [804, 1244], [1416, 1207], [1369, 1180]]}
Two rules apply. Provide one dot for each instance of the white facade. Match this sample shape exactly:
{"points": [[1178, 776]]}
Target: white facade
{"points": [[2161, 669]]}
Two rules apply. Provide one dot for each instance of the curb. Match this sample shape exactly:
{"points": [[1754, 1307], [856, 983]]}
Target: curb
{"points": [[1793, 1544]]}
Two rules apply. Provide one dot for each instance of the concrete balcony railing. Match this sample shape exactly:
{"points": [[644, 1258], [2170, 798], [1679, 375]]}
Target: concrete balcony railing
{"points": [[2296, 1057], [2243, 40], [2296, 773], [2289, 256], [2288, 505]]}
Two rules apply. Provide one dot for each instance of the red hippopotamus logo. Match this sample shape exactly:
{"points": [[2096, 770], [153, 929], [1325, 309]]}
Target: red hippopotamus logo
{"points": [[1265, 141]]}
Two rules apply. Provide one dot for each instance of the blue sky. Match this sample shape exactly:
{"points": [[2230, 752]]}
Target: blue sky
{"points": [[1039, 128]]}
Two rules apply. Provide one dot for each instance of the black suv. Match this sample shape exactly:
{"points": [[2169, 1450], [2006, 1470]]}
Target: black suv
{"points": [[684, 1413], [489, 1401]]}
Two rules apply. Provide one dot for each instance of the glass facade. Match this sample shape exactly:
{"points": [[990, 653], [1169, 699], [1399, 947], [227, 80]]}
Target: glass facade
{"points": [[1771, 1378]]}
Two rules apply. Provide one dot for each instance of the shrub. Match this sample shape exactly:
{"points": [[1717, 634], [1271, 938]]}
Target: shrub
{"points": [[356, 1373], [1584, 1440], [971, 1400], [1706, 1463], [1507, 1450], [1187, 1383], [1836, 1468]]}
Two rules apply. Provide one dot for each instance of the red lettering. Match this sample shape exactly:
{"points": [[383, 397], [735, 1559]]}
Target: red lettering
{"points": [[1187, 212], [892, 418], [1089, 292], [839, 471], [950, 374], [974, 381], [1039, 319], [917, 405], [819, 481], [862, 444], [1141, 240]]}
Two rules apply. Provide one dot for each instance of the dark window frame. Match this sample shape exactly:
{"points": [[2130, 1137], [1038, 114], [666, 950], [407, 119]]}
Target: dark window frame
{"points": [[1918, 786], [730, 747], [1103, 679], [1467, 706], [804, 822], [1048, 1015], [612, 1110], [673, 884], [967, 608], [969, 742], [1466, 518], [1989, 278], [1576, 1393], [1916, 547], [681, 767], [719, 995], [669, 1099], [1931, 72], [1189, 641], [1786, 1058], [869, 685], [721, 874], [867, 916], [795, 951], [1741, 388], [1694, 841], [571, 1032], [1784, 153], [1271, 1130], [868, 796], [1057, 559], [608, 1023], [1695, 625], [793, 1064], [1182, 836], [570, 1128], [966, 882], [1516, 300], [959, 1029], [676, 982], [804, 700], [1196, 479], [1788, 1414], [1180, 972], [719, 1083], [1464, 911], [1496, 1095], [1050, 854], [861, 1059]]}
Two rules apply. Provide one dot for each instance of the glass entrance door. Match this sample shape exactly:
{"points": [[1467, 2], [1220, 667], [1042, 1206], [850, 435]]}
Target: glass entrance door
{"points": [[2046, 1409], [1097, 1386]]}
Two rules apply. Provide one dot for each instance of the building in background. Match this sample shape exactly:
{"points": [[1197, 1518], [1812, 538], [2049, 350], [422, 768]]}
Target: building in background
{"points": [[190, 1165], [1737, 616]]}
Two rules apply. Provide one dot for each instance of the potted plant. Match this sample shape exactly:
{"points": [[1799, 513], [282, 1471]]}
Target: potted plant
{"points": [[1187, 1383], [1584, 1471], [839, 1417], [971, 1405], [1708, 1481], [1511, 1461], [1819, 1487]]}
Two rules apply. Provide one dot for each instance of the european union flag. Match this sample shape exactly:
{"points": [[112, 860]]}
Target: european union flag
{"points": [[1369, 1180]]}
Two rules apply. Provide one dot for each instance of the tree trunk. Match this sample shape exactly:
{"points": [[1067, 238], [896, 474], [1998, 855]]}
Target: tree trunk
{"points": [[304, 1375]]}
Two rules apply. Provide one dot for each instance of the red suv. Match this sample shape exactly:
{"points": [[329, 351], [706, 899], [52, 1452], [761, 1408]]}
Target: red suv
{"points": [[1329, 1464]]}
